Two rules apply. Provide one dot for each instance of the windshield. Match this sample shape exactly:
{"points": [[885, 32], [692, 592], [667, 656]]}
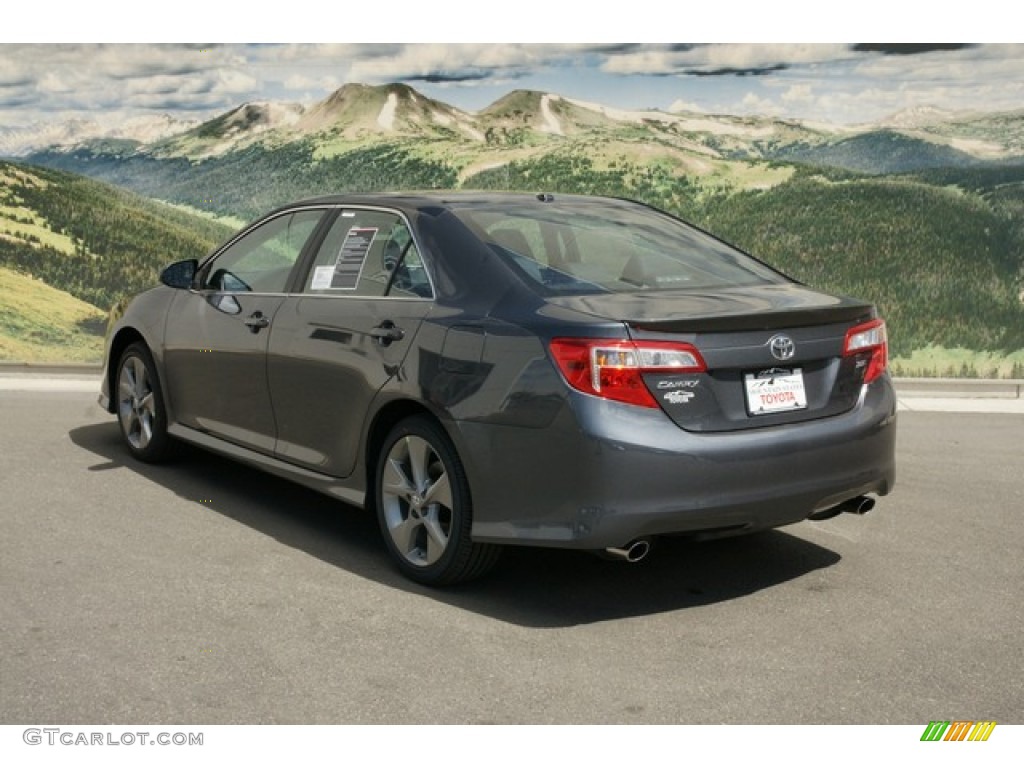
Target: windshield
{"points": [[608, 246]]}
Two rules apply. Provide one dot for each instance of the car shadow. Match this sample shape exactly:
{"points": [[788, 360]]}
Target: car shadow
{"points": [[531, 587]]}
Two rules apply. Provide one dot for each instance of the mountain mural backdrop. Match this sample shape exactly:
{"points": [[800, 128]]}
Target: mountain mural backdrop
{"points": [[922, 213]]}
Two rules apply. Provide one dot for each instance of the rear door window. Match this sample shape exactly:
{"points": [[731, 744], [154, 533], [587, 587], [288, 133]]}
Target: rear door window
{"points": [[368, 253]]}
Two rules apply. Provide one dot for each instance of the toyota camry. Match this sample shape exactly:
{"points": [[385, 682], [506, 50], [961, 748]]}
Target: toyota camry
{"points": [[481, 370]]}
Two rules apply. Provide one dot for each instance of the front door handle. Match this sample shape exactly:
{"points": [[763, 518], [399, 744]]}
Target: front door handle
{"points": [[257, 320], [387, 332]]}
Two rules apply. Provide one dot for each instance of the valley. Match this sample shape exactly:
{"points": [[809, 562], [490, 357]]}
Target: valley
{"points": [[922, 214]]}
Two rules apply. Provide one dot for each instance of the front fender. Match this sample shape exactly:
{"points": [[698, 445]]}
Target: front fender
{"points": [[142, 318]]}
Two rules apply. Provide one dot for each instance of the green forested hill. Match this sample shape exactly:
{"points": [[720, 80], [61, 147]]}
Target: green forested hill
{"points": [[941, 256], [943, 264], [879, 152], [94, 241], [250, 181], [39, 323], [923, 215], [939, 251]]}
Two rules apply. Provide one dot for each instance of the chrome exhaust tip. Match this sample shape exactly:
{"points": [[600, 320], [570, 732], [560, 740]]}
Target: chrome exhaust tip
{"points": [[859, 505], [633, 552]]}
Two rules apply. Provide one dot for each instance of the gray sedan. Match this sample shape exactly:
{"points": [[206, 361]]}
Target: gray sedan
{"points": [[483, 370]]}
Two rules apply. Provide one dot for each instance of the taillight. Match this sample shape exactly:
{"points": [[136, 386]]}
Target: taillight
{"points": [[613, 369], [869, 338]]}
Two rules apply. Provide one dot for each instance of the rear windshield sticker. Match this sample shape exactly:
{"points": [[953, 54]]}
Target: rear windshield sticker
{"points": [[351, 257]]}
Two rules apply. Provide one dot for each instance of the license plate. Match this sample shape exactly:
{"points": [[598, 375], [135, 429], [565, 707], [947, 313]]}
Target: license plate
{"points": [[775, 391]]}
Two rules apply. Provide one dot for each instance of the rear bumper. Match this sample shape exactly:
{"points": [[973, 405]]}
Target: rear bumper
{"points": [[604, 473]]}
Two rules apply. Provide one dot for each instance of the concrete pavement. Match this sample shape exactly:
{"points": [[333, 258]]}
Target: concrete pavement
{"points": [[203, 591]]}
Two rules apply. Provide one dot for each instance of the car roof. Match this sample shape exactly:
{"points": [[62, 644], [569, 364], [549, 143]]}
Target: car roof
{"points": [[424, 201]]}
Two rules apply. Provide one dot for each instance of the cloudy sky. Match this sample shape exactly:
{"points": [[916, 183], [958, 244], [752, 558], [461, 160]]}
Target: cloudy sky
{"points": [[840, 83]]}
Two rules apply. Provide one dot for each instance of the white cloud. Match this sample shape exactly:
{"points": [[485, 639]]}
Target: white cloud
{"points": [[88, 78], [234, 81], [823, 82], [468, 61], [304, 82], [52, 83], [799, 94], [725, 57], [685, 106], [752, 104], [981, 64], [13, 73], [730, 56]]}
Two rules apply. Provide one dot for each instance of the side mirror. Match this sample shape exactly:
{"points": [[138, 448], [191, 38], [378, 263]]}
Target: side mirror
{"points": [[180, 274]]}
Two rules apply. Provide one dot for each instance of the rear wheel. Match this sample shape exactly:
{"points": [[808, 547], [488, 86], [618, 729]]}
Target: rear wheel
{"points": [[424, 506], [140, 405]]}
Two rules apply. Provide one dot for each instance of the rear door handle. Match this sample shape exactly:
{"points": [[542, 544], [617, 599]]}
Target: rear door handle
{"points": [[387, 332], [257, 320]]}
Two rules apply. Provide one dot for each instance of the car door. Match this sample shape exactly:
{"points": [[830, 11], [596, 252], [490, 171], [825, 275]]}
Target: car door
{"points": [[216, 334], [345, 332]]}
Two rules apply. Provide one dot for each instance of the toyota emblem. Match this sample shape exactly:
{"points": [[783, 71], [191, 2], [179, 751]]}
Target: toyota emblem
{"points": [[782, 347]]}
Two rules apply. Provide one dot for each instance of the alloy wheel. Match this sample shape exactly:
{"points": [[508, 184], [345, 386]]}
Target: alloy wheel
{"points": [[136, 402], [416, 495]]}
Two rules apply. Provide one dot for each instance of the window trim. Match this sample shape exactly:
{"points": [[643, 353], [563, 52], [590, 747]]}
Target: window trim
{"points": [[203, 270], [308, 259]]}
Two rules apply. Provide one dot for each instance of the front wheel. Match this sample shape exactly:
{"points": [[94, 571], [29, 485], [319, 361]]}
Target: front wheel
{"points": [[140, 405], [424, 506]]}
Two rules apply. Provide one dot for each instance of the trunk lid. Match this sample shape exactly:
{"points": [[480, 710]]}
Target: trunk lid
{"points": [[774, 353]]}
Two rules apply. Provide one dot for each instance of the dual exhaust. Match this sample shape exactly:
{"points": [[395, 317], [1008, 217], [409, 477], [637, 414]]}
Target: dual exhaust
{"points": [[638, 549]]}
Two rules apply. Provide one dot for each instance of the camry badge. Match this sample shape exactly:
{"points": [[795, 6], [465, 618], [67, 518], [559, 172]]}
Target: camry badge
{"points": [[782, 347]]}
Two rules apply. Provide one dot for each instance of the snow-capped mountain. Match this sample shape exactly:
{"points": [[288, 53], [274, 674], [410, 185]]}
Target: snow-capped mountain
{"points": [[231, 130], [531, 122], [922, 116], [17, 141], [357, 110]]}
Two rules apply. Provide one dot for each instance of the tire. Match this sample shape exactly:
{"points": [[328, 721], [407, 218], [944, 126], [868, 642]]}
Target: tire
{"points": [[140, 405], [424, 506]]}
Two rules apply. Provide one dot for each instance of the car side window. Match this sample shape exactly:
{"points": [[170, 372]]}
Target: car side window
{"points": [[370, 254], [262, 260]]}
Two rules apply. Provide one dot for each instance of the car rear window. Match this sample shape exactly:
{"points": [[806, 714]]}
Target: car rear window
{"points": [[609, 246]]}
